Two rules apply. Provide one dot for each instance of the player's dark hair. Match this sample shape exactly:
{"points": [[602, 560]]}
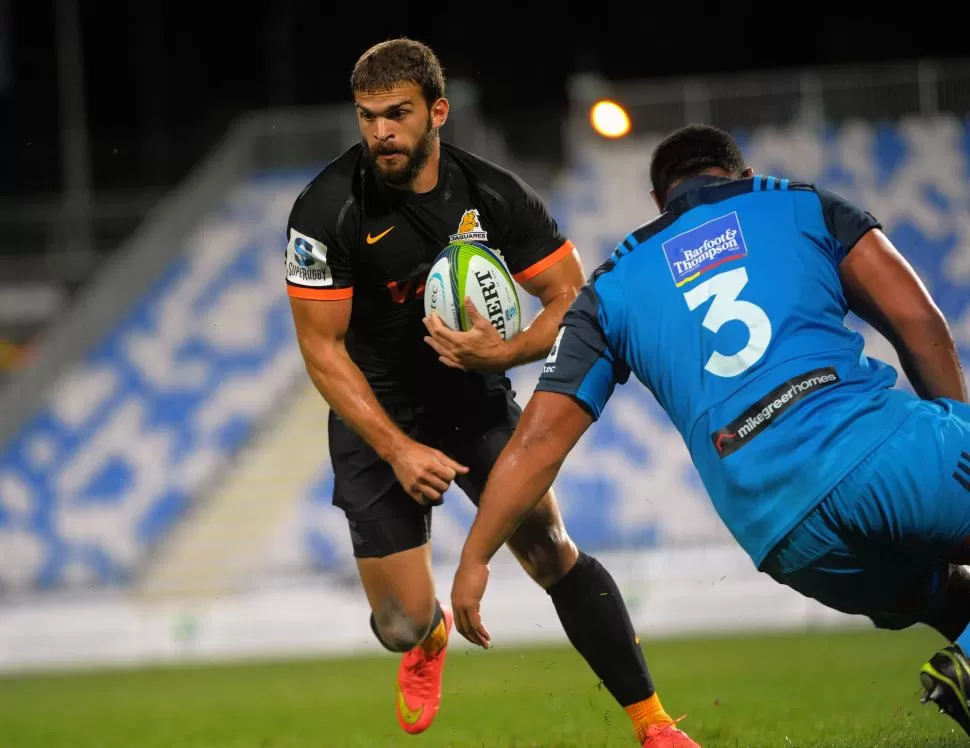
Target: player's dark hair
{"points": [[399, 61], [689, 151]]}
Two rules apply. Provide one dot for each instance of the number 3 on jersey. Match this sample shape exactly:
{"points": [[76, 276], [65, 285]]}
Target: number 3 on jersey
{"points": [[726, 307]]}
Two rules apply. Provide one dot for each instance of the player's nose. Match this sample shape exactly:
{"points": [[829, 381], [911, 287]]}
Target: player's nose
{"points": [[382, 132]]}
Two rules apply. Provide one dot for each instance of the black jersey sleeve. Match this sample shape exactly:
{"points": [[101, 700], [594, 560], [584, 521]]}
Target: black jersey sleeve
{"points": [[318, 263], [846, 223], [532, 241]]}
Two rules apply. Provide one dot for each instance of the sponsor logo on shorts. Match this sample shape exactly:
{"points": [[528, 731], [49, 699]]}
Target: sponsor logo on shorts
{"points": [[763, 413], [549, 365], [470, 228], [693, 253], [554, 351]]}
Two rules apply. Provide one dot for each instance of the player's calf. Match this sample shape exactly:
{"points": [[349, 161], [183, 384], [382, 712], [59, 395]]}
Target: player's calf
{"points": [[945, 678], [594, 617], [951, 616]]}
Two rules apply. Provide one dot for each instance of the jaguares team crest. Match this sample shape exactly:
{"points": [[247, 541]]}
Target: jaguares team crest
{"points": [[470, 228]]}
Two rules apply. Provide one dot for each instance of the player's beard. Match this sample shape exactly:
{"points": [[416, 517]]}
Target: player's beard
{"points": [[415, 160]]}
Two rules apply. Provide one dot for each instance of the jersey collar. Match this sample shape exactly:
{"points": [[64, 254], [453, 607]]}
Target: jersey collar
{"points": [[692, 184]]}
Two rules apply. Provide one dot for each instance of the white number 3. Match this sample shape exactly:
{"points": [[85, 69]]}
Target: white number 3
{"points": [[725, 287]]}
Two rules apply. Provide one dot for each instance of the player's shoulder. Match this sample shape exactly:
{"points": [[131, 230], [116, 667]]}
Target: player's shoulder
{"points": [[802, 189], [502, 182], [770, 183], [327, 194]]}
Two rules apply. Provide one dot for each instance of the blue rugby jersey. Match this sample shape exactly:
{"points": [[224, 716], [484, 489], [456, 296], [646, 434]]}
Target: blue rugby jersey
{"points": [[730, 310]]}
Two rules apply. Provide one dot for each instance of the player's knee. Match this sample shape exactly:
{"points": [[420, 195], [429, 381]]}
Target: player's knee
{"points": [[893, 622], [546, 552], [398, 629], [401, 634]]}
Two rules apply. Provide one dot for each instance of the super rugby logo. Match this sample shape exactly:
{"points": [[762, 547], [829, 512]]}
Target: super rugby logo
{"points": [[704, 248], [304, 252], [306, 261], [469, 228], [493, 305], [763, 413]]}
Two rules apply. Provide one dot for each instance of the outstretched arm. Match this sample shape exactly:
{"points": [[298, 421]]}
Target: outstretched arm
{"points": [[551, 425]]}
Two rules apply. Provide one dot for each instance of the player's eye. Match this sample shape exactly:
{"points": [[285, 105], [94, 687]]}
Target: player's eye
{"points": [[398, 114], [366, 116]]}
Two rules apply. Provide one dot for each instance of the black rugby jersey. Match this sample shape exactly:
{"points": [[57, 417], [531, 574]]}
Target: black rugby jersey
{"points": [[351, 236]]}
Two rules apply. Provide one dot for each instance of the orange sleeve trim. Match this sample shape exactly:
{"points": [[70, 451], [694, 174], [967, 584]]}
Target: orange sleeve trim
{"points": [[320, 294], [546, 262]]}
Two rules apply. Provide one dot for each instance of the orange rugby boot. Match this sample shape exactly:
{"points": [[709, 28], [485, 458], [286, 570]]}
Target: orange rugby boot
{"points": [[667, 736], [419, 683]]}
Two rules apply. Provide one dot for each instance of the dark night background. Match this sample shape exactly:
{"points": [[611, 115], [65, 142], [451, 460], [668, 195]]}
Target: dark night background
{"points": [[164, 80]]}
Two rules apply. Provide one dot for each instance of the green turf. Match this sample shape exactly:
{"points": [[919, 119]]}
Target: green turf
{"points": [[825, 689]]}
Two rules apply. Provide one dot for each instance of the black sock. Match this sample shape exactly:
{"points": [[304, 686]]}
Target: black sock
{"points": [[598, 625], [435, 620], [951, 614]]}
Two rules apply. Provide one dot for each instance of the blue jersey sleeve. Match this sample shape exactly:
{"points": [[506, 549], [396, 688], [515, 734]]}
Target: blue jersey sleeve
{"points": [[581, 363], [846, 223]]}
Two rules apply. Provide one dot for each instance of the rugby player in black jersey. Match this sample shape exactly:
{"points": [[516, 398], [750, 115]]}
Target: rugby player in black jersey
{"points": [[415, 406]]}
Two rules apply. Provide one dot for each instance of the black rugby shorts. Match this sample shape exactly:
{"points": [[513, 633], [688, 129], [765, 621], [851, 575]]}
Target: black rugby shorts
{"points": [[383, 518]]}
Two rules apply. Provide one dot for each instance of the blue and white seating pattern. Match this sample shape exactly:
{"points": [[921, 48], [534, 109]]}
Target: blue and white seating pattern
{"points": [[150, 420]]}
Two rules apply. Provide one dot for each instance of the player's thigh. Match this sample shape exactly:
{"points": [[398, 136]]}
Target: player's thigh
{"points": [[894, 590], [880, 544], [389, 531], [825, 561], [400, 591], [540, 543], [366, 488], [913, 491], [393, 556], [478, 441]]}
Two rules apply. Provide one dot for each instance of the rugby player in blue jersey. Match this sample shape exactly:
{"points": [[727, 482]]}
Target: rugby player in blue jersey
{"points": [[730, 308]]}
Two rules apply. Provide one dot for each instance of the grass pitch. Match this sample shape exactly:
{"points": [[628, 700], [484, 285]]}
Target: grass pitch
{"points": [[847, 688]]}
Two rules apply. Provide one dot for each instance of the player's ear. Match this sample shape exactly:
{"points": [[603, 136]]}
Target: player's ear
{"points": [[656, 200], [439, 113]]}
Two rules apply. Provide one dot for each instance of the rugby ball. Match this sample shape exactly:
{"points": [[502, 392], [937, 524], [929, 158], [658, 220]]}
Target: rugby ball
{"points": [[470, 269]]}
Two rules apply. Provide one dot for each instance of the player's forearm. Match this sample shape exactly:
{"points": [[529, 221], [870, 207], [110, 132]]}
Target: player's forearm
{"points": [[536, 340], [349, 395], [515, 486], [930, 359]]}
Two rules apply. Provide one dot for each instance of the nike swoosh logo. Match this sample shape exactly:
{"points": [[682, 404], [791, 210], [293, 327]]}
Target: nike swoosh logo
{"points": [[375, 239], [409, 715]]}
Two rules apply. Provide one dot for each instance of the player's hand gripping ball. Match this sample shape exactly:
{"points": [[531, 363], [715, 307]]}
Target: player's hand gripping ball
{"points": [[471, 308], [472, 270]]}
